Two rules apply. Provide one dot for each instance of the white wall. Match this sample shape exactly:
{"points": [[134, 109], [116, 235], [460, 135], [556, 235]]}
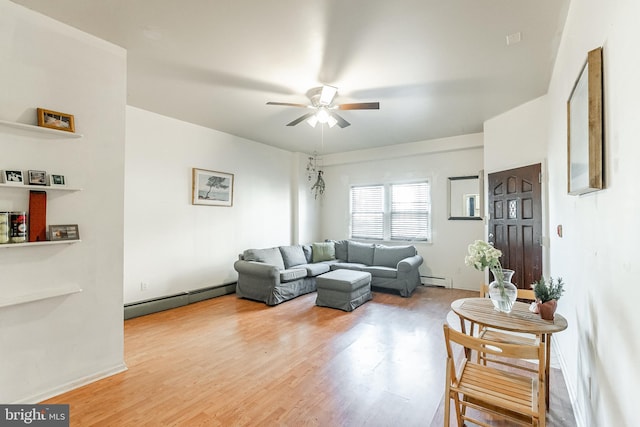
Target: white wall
{"points": [[435, 160], [507, 146], [51, 345], [596, 256], [174, 246]]}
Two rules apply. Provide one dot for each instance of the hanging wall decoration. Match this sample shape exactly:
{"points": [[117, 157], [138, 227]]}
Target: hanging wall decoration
{"points": [[584, 129], [211, 188]]}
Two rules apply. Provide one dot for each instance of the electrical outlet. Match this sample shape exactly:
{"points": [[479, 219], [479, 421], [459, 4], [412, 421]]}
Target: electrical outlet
{"points": [[144, 286]]}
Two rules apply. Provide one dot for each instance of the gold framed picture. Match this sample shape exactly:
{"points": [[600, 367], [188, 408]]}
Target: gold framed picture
{"points": [[584, 129], [55, 120]]}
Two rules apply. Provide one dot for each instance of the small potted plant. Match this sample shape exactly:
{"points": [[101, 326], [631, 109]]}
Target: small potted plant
{"points": [[547, 296]]}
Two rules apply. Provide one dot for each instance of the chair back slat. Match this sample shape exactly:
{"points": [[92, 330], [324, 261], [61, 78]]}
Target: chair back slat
{"points": [[515, 351]]}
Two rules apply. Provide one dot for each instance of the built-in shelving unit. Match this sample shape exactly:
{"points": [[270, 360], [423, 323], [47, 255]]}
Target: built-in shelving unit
{"points": [[48, 133], [42, 131], [37, 296]]}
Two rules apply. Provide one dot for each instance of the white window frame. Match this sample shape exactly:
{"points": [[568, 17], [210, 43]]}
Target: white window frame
{"points": [[387, 213]]}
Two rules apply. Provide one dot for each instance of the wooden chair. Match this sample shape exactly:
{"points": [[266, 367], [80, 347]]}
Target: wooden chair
{"points": [[504, 336], [509, 395]]}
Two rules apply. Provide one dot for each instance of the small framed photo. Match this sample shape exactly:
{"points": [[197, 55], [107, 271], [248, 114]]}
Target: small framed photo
{"points": [[56, 180], [37, 178], [55, 120], [64, 232], [13, 177], [212, 188]]}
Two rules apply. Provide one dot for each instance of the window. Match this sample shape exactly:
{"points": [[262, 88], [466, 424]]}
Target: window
{"points": [[391, 212]]}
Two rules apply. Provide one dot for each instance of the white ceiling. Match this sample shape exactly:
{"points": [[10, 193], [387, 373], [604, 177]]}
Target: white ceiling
{"points": [[438, 67]]}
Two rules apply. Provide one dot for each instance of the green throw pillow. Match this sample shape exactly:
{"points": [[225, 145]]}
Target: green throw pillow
{"points": [[325, 251]]}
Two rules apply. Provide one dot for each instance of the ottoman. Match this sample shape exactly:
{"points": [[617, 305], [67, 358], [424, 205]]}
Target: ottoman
{"points": [[343, 289]]}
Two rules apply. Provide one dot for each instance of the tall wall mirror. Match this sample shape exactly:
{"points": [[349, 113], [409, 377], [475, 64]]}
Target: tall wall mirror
{"points": [[465, 197]]}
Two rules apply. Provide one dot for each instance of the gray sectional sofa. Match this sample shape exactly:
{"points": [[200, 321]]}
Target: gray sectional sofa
{"points": [[275, 275]]}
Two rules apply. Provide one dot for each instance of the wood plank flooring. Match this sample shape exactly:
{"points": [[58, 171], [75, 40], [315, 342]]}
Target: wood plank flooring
{"points": [[234, 362]]}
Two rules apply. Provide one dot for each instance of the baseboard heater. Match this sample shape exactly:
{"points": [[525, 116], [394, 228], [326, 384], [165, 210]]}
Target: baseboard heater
{"points": [[441, 282], [142, 308]]}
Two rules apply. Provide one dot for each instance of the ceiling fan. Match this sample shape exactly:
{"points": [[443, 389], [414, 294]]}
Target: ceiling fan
{"points": [[323, 109]]}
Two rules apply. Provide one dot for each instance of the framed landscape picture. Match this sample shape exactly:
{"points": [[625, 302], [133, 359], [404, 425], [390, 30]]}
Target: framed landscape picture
{"points": [[211, 188]]}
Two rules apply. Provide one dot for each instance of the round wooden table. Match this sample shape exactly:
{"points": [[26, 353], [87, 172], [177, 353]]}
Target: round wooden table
{"points": [[481, 311]]}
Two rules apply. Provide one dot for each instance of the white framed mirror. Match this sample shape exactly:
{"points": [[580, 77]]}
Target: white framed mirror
{"points": [[465, 197]]}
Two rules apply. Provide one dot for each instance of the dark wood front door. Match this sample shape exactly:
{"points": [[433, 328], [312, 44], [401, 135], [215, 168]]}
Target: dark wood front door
{"points": [[515, 221]]}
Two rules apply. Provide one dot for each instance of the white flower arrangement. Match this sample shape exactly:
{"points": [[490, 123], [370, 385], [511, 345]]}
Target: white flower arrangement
{"points": [[483, 255]]}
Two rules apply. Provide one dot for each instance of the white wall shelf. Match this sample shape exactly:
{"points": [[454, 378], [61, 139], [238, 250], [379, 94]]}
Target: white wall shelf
{"points": [[38, 187], [37, 296], [41, 131], [45, 243]]}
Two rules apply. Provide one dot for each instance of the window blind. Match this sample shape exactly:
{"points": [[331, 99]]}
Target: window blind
{"points": [[410, 210], [367, 212]]}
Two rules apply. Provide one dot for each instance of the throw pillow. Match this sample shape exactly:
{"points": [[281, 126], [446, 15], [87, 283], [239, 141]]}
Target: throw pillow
{"points": [[324, 251], [308, 253], [341, 249], [292, 256]]}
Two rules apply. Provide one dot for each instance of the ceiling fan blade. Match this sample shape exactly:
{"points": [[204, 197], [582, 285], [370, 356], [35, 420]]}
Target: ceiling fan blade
{"points": [[300, 119], [341, 122], [287, 104], [360, 106], [327, 94]]}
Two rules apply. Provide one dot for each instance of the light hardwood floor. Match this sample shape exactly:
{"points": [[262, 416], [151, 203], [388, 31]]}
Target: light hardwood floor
{"points": [[234, 362]]}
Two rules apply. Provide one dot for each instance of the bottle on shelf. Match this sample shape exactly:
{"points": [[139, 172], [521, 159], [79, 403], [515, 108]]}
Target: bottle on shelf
{"points": [[18, 227], [4, 227]]}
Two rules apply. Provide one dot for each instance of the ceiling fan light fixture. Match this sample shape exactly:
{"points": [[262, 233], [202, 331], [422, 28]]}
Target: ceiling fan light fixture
{"points": [[331, 121], [313, 121], [323, 115]]}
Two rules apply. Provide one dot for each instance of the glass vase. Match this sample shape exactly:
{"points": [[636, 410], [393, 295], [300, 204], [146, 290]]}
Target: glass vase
{"points": [[503, 296]]}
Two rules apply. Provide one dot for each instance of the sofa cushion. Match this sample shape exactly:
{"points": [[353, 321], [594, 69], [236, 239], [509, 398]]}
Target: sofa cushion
{"points": [[292, 274], [316, 269], [360, 253], [308, 253], [341, 249], [324, 251], [347, 266], [390, 256], [292, 256], [377, 271], [270, 256]]}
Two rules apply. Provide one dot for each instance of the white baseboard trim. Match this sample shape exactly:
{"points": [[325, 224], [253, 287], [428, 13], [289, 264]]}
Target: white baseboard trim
{"points": [[73, 385], [573, 396]]}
